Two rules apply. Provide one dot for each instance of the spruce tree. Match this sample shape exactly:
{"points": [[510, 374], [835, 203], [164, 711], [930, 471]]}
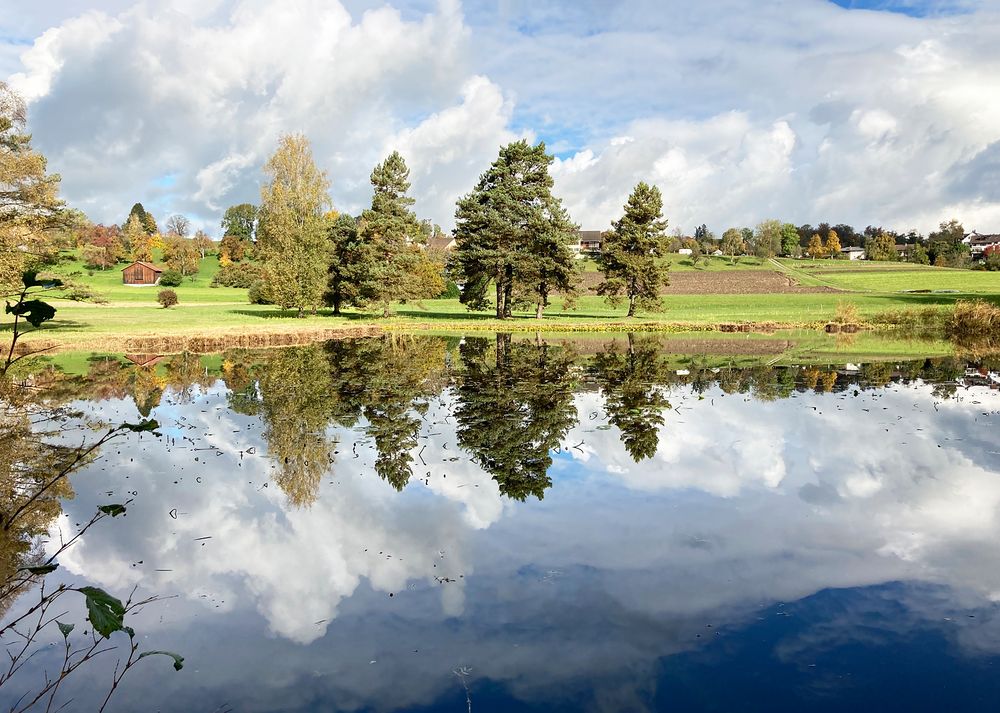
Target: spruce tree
{"points": [[391, 237], [631, 252]]}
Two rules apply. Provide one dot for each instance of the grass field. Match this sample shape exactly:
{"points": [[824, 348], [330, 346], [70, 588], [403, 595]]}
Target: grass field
{"points": [[873, 288]]}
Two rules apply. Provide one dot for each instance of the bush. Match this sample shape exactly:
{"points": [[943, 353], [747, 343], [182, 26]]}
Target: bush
{"points": [[847, 313], [237, 274], [171, 278], [256, 294], [167, 298], [451, 291]]}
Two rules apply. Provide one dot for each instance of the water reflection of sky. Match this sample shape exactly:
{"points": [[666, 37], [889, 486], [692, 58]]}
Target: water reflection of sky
{"points": [[815, 552]]}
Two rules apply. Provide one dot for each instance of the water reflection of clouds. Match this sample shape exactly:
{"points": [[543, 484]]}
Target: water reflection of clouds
{"points": [[745, 503]]}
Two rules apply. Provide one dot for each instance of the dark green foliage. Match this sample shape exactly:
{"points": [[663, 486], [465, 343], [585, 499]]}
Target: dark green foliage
{"points": [[346, 263], [513, 234], [106, 613], [240, 221], [631, 252], [515, 406], [384, 265], [145, 218], [451, 291], [632, 397], [257, 295], [171, 278]]}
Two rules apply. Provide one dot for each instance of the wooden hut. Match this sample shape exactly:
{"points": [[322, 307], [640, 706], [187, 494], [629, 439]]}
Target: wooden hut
{"points": [[141, 273]]}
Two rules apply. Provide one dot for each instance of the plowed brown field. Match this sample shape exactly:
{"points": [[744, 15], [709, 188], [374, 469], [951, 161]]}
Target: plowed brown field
{"points": [[738, 282]]}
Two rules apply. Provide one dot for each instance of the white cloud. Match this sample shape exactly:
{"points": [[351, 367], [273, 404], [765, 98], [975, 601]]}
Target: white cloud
{"points": [[803, 111]]}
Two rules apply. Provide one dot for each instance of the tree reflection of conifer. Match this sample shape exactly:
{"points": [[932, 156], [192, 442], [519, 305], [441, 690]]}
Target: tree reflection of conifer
{"points": [[515, 403], [387, 380], [633, 398], [300, 393]]}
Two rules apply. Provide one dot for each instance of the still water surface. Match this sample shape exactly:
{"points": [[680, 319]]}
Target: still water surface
{"points": [[428, 524]]}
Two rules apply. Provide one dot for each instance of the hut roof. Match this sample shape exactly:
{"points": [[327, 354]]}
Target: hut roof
{"points": [[150, 265]]}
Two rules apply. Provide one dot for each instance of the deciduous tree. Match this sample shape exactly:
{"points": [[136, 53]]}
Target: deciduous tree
{"points": [[292, 241], [30, 207], [178, 225], [881, 247], [832, 246], [732, 243], [815, 248]]}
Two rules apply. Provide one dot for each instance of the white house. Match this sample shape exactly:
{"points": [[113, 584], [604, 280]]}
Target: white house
{"points": [[853, 253]]}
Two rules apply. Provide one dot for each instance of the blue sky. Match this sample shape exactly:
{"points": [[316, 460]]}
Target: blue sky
{"points": [[804, 110]]}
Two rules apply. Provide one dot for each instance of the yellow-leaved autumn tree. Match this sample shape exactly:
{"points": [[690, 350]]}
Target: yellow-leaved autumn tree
{"points": [[30, 207], [291, 235]]}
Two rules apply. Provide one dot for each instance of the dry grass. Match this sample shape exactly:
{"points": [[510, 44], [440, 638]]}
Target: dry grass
{"points": [[975, 318]]}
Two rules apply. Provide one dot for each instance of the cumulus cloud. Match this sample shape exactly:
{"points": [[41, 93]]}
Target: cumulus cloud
{"points": [[806, 111]]}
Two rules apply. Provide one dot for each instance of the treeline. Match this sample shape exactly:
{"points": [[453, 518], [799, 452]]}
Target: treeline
{"points": [[512, 248], [772, 238]]}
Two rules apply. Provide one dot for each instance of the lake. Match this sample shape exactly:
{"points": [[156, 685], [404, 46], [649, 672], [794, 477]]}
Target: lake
{"points": [[519, 524]]}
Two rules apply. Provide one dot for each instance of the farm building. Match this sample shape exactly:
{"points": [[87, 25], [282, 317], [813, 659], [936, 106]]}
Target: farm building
{"points": [[141, 273], [853, 253]]}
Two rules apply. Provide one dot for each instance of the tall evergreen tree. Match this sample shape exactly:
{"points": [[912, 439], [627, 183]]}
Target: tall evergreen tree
{"points": [[513, 234], [292, 240], [631, 252], [345, 255], [390, 253]]}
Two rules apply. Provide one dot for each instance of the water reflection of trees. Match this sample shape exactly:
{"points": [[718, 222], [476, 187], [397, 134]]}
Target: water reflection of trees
{"points": [[512, 395], [515, 404], [380, 385], [633, 395]]}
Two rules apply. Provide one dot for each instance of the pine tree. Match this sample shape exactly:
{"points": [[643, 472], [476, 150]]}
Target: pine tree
{"points": [[513, 234], [631, 252], [291, 233]]}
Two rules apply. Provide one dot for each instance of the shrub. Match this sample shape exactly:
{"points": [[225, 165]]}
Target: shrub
{"points": [[171, 278], [236, 274], [167, 298], [847, 313], [974, 318], [257, 296], [451, 291]]}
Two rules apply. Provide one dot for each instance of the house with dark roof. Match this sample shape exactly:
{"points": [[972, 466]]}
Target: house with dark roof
{"points": [[978, 243], [588, 242]]}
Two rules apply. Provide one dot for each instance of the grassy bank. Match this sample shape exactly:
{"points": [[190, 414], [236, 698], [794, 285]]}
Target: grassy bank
{"points": [[129, 314]]}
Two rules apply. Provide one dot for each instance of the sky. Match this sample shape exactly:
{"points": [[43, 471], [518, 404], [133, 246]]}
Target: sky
{"points": [[867, 112]]}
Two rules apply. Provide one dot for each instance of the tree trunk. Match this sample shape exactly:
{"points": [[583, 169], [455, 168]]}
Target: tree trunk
{"points": [[499, 300], [539, 309], [631, 307]]}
